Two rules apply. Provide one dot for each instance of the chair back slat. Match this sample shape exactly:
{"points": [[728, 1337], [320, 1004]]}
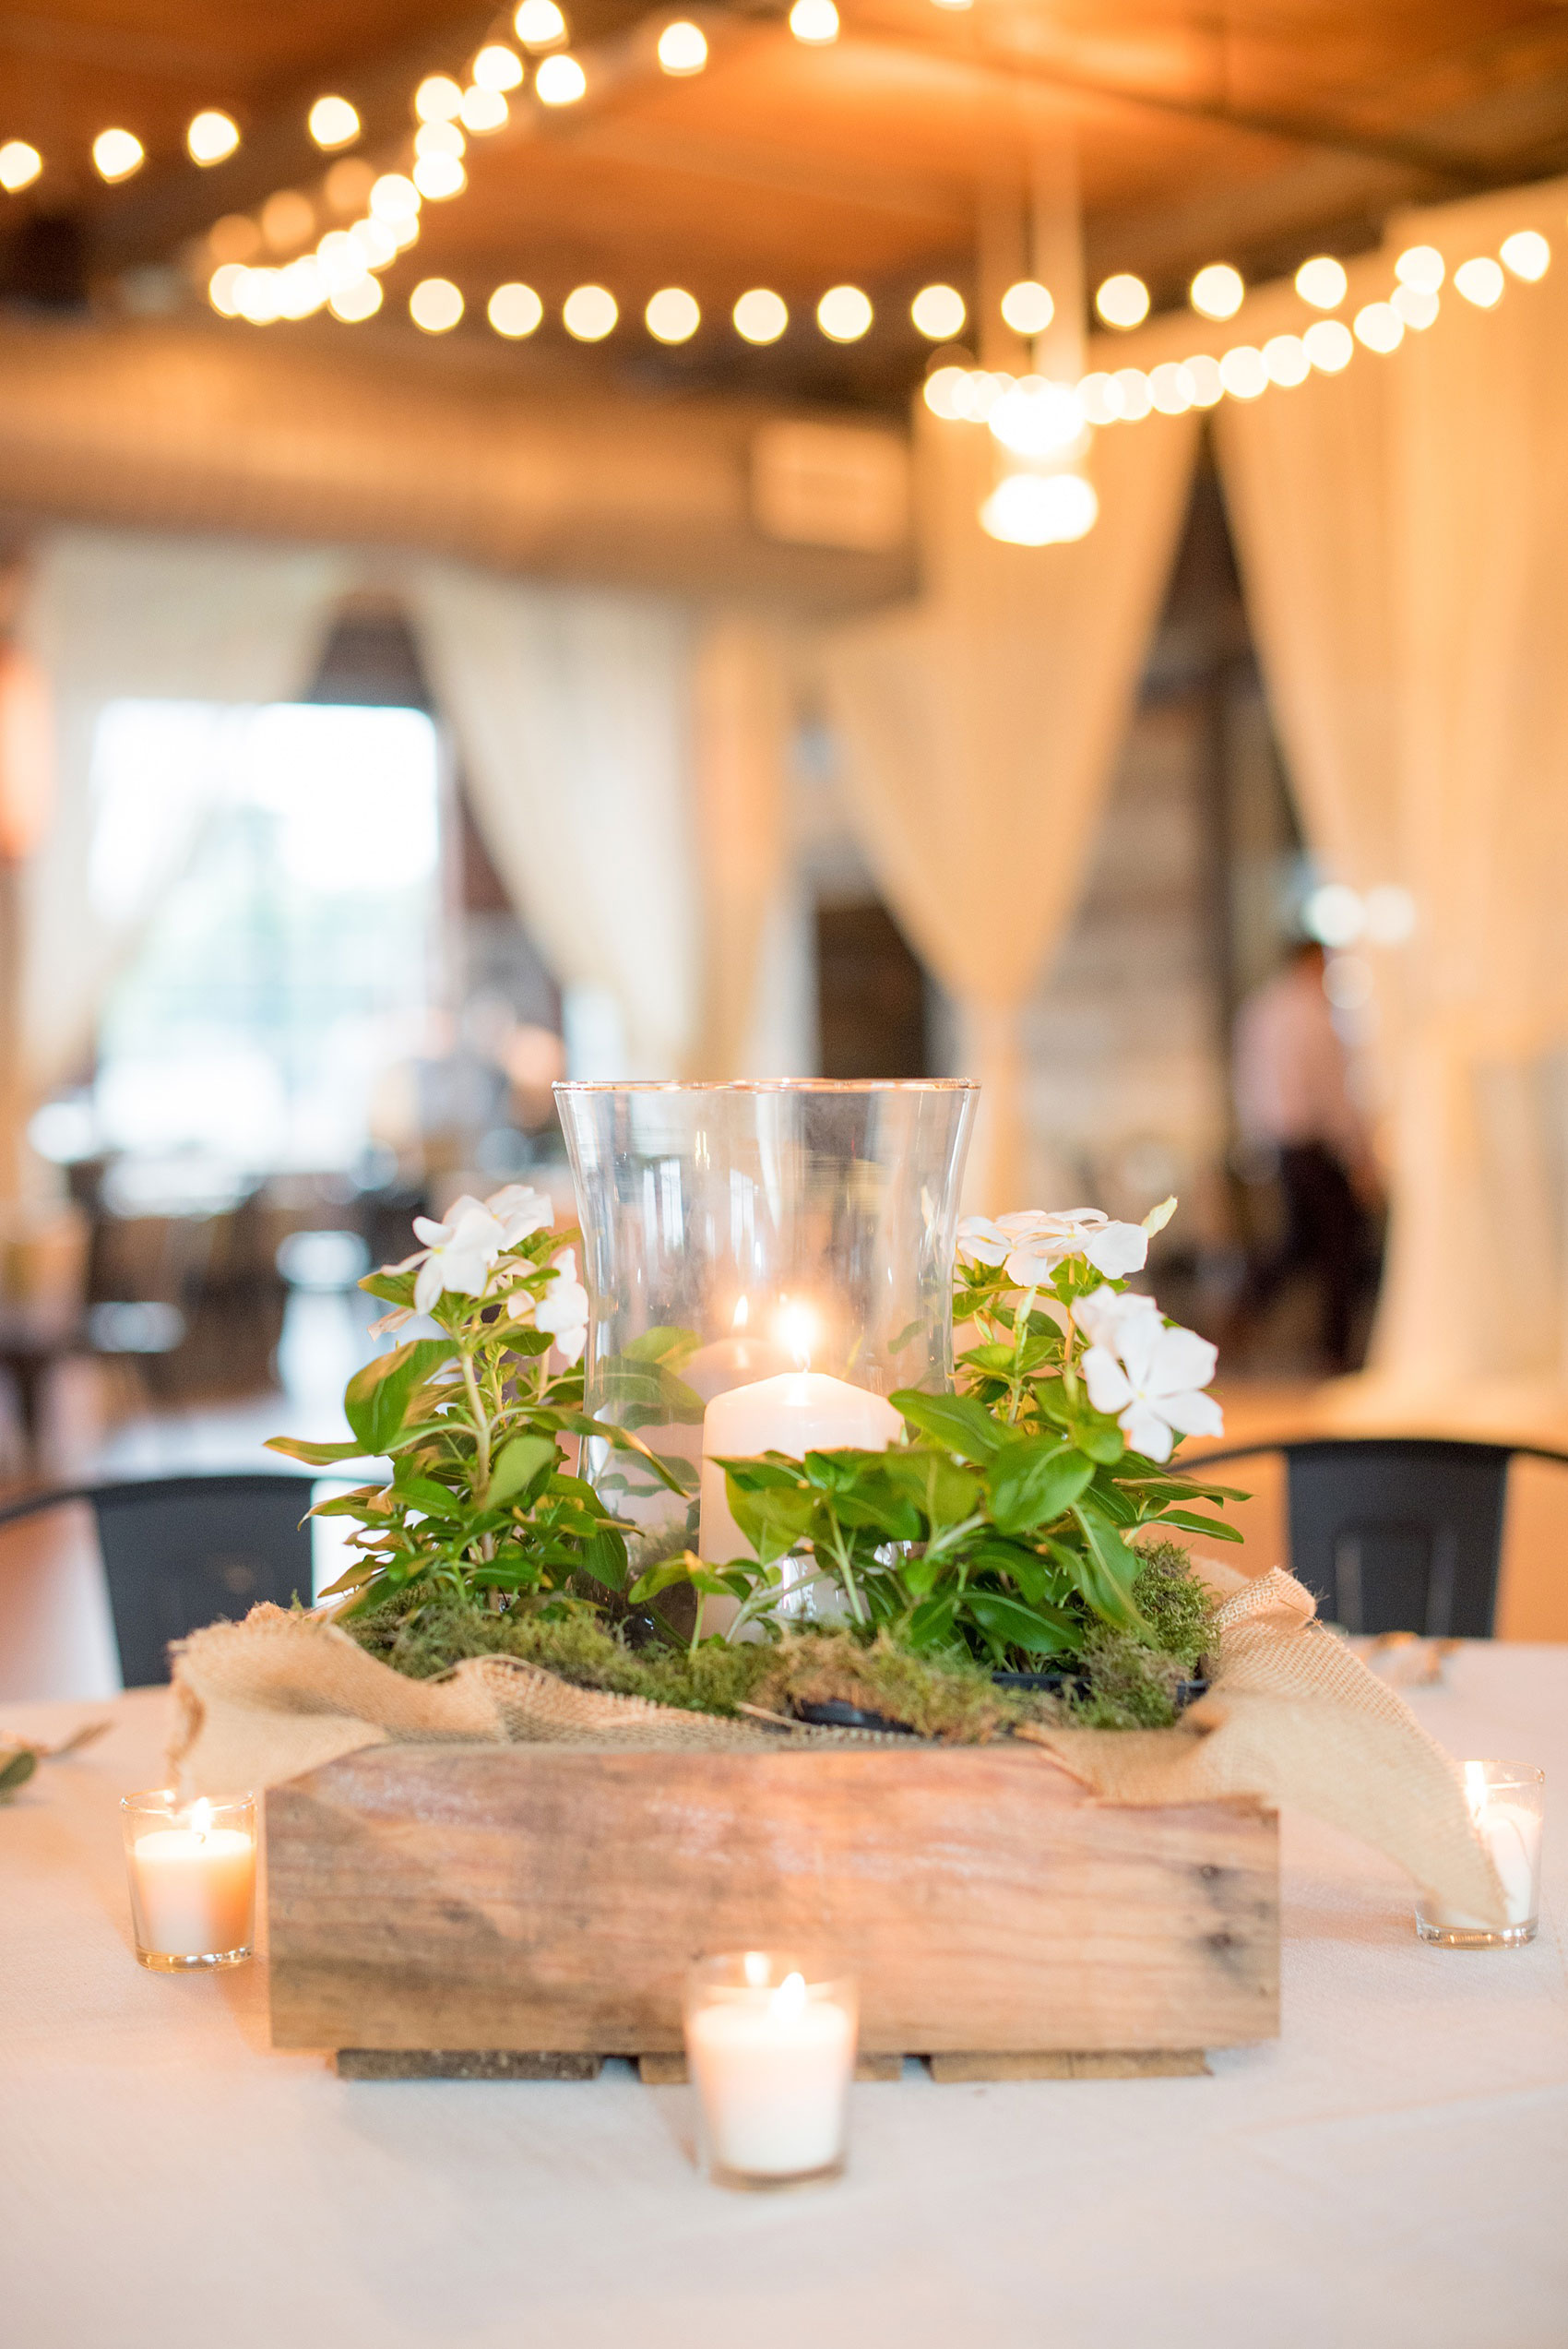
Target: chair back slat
{"points": [[180, 1552]]}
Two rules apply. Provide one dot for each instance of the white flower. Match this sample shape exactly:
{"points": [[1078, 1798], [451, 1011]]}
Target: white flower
{"points": [[520, 1211], [458, 1253], [1150, 1375], [1031, 1245], [564, 1309], [1105, 1313], [983, 1242]]}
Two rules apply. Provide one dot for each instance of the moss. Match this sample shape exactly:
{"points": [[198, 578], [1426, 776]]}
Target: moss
{"points": [[1132, 1682], [953, 1700]]}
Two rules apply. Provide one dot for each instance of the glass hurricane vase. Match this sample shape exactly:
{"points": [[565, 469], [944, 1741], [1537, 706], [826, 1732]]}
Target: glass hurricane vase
{"points": [[794, 1240]]}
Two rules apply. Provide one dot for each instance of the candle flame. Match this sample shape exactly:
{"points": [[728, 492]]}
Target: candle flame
{"points": [[755, 1967], [790, 1999], [798, 1331], [201, 1815], [742, 1315], [1475, 1789]]}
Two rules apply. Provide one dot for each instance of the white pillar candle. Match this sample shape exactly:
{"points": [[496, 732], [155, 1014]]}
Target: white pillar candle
{"points": [[193, 1887], [804, 1410], [773, 2072]]}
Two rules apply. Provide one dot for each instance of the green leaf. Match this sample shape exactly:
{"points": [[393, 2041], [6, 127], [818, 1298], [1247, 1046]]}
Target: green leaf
{"points": [[376, 1398], [17, 1766], [1213, 1526], [314, 1455], [517, 1464], [626, 1383], [1032, 1479], [1105, 1574], [1100, 1438], [947, 1494], [435, 1500], [1011, 1625], [673, 1347], [392, 1288], [958, 1422], [931, 1625], [604, 1556], [773, 1521]]}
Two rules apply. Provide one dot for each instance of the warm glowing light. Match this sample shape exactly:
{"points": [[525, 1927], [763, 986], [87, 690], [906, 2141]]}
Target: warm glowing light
{"points": [[1323, 283], [1334, 915], [1242, 373], [348, 183], [844, 313], [394, 198], [353, 303], [1480, 281], [1099, 398], [222, 289], [559, 80], [20, 165], [1417, 309], [233, 238], [439, 138], [515, 310], [1218, 292], [1037, 419], [258, 296], [590, 313], [1421, 266], [497, 67], [439, 178], [814, 21], [1133, 394], [484, 110], [955, 4], [944, 393], [210, 136], [798, 1331], [538, 23], [759, 315], [1034, 510], [1285, 357], [1123, 300], [333, 123], [672, 315], [1026, 307], [406, 231], [1381, 327], [288, 219], [435, 304], [116, 154], [1208, 385], [301, 287], [1527, 254], [374, 242], [340, 259], [1329, 344], [981, 393], [938, 311], [437, 99], [1170, 388], [682, 48]]}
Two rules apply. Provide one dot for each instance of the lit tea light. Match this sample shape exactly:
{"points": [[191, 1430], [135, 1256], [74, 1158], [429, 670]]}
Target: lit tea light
{"points": [[1506, 1804], [772, 2054], [192, 1871]]}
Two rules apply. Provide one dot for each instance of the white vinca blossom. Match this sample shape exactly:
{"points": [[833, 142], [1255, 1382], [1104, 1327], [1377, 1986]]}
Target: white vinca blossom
{"points": [[459, 1253], [563, 1310], [1149, 1373], [1032, 1245]]}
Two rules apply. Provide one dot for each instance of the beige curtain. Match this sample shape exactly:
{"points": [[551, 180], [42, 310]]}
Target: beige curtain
{"points": [[1404, 539], [979, 730]]}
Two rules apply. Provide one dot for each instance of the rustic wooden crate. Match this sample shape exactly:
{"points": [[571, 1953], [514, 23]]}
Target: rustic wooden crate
{"points": [[549, 1900]]}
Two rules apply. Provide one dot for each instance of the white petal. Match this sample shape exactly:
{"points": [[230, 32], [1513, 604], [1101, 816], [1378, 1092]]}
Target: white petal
{"points": [[570, 1344], [1018, 1226], [1109, 1388], [1118, 1250], [981, 1242], [1105, 1313], [1193, 1414], [427, 1288], [1137, 1342], [1180, 1360], [463, 1270], [434, 1235], [1158, 1217], [1145, 1431], [567, 1264]]}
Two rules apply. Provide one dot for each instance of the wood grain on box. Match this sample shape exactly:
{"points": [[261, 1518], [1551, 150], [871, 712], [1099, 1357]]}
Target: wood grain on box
{"points": [[552, 1898]]}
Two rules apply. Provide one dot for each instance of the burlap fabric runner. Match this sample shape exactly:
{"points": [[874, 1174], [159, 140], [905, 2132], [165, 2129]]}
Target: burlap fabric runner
{"points": [[1291, 1716]]}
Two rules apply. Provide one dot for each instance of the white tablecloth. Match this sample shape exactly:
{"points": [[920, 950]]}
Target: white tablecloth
{"points": [[1394, 2171]]}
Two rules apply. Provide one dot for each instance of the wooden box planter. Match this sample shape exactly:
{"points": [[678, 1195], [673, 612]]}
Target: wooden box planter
{"points": [[545, 1901]]}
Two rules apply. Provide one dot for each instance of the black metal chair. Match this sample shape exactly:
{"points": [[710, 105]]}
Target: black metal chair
{"points": [[181, 1551], [1396, 1532]]}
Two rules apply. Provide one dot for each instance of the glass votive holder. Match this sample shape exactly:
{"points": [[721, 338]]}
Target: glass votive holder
{"points": [[192, 1872], [770, 2048], [1508, 1805]]}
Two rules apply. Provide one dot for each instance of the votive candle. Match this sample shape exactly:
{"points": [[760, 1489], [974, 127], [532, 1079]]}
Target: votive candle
{"points": [[1506, 1803], [772, 2053], [192, 1871]]}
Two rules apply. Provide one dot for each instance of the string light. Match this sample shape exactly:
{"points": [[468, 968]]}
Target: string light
{"points": [[844, 313], [116, 154], [1170, 388], [435, 305], [672, 315], [538, 23], [760, 316], [437, 99], [1323, 283], [210, 136], [1026, 307], [392, 199], [1242, 373], [1123, 300], [375, 244], [938, 312], [1218, 292], [1527, 255], [20, 165], [1037, 419], [1480, 281], [333, 123], [1208, 385], [559, 80], [1422, 268], [440, 139], [439, 178], [590, 313], [1133, 394], [1041, 509], [221, 288], [1330, 345], [1417, 309], [353, 304], [682, 48], [515, 311], [484, 110], [1379, 327], [1285, 360], [814, 21], [497, 67]]}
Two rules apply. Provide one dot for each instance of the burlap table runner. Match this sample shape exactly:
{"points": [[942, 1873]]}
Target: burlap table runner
{"points": [[1292, 1716]]}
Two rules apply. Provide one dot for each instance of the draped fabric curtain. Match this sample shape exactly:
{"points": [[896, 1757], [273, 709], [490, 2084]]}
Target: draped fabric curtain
{"points": [[1402, 532], [115, 615], [980, 729], [573, 712]]}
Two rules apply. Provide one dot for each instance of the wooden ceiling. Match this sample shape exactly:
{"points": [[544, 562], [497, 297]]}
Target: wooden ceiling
{"points": [[1255, 132]]}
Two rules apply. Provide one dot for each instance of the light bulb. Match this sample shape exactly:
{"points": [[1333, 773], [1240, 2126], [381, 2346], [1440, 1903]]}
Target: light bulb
{"points": [[1323, 283], [590, 313], [20, 165], [1034, 509], [1285, 357], [1527, 254], [515, 310], [559, 80], [116, 154], [439, 138], [1417, 309], [484, 110], [1330, 345], [759, 315], [1242, 373], [394, 198], [1026, 307], [844, 313], [1099, 398], [1480, 281], [437, 99], [938, 311], [944, 393], [374, 242], [356, 302], [258, 296], [1037, 419], [1208, 385], [1123, 300], [1421, 266], [333, 123], [435, 304], [1218, 292], [439, 178], [301, 288], [210, 136], [538, 23], [497, 67], [682, 48], [1134, 395], [672, 315], [814, 21], [221, 288], [1381, 327], [1170, 388]]}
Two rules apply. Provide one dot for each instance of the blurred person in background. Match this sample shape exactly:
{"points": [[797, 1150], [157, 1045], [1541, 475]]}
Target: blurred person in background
{"points": [[1294, 1105]]}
